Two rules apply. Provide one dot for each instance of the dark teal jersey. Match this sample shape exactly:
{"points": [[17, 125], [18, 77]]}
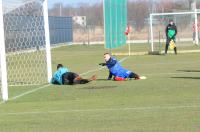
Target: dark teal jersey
{"points": [[57, 76], [171, 31]]}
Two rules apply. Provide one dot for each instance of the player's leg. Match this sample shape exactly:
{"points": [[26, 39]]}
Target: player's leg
{"points": [[65, 80], [193, 36], [68, 78], [116, 78], [80, 80], [92, 78], [175, 48], [167, 45], [134, 75]]}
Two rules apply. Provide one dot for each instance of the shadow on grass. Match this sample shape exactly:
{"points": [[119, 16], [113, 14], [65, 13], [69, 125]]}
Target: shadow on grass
{"points": [[99, 87], [186, 77], [102, 80], [189, 70]]}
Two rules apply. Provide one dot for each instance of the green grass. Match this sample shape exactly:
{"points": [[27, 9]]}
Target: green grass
{"points": [[145, 47], [168, 101], [24, 66]]}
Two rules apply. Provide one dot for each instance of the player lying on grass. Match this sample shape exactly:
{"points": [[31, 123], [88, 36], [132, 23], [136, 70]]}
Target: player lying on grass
{"points": [[63, 77], [116, 70]]}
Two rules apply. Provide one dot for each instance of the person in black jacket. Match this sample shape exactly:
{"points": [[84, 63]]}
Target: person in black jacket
{"points": [[171, 31]]}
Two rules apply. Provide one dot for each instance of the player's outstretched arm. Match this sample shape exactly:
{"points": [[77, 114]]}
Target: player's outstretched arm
{"points": [[102, 64], [110, 76]]}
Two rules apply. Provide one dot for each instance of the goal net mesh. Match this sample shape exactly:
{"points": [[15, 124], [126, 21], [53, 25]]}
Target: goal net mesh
{"points": [[25, 42], [185, 38]]}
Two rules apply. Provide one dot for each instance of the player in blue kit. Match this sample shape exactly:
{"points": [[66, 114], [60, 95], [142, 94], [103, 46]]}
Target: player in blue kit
{"points": [[116, 70]]}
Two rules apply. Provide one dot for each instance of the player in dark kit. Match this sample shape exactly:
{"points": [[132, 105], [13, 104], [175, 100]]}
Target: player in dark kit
{"points": [[171, 31], [63, 77]]}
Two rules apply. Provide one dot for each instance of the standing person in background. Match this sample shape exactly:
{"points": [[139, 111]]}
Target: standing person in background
{"points": [[170, 31], [194, 32]]}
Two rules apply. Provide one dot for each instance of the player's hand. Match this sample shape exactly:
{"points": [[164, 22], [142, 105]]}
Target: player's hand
{"points": [[108, 78], [102, 64]]}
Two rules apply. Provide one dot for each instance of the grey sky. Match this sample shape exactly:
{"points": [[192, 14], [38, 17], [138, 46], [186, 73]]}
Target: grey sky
{"points": [[71, 2]]}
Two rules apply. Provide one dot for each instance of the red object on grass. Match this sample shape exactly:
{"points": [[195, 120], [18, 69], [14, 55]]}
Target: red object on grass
{"points": [[119, 79]]}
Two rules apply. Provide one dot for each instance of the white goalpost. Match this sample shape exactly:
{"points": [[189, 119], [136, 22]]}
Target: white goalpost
{"points": [[185, 19], [4, 84], [25, 56]]}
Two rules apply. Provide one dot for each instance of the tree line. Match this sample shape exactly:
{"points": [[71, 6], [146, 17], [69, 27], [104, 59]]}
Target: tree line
{"points": [[138, 10]]}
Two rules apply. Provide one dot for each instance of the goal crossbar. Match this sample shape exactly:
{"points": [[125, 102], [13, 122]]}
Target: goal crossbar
{"points": [[173, 13]]}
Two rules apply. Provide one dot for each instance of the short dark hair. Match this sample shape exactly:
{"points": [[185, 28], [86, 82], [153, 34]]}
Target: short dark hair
{"points": [[59, 65], [106, 53]]}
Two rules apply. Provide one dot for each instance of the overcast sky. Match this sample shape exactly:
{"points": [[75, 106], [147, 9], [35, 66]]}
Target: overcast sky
{"points": [[76, 2], [71, 2]]}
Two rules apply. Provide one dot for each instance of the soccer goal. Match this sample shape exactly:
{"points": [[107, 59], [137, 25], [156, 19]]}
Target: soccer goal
{"points": [[188, 30], [24, 44]]}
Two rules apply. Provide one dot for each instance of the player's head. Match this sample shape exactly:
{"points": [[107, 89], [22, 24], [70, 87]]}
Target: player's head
{"points": [[59, 65], [107, 57], [171, 22]]}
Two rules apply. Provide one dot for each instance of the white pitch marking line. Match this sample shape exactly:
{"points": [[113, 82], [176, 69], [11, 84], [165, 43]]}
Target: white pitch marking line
{"points": [[155, 74], [45, 86], [98, 69], [109, 109], [169, 73], [2, 102], [29, 92]]}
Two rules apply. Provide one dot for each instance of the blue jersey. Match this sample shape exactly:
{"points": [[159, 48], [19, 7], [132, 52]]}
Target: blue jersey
{"points": [[57, 76], [116, 69]]}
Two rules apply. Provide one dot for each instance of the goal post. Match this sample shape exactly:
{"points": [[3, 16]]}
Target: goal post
{"points": [[183, 21], [3, 69], [24, 44], [47, 40]]}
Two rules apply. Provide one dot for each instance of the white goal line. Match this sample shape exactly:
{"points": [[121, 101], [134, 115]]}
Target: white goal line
{"points": [[147, 108], [45, 86]]}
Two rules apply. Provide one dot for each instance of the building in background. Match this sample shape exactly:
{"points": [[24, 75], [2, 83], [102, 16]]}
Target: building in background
{"points": [[80, 20]]}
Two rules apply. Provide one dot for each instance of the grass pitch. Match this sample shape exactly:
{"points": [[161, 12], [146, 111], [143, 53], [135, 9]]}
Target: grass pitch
{"points": [[167, 101]]}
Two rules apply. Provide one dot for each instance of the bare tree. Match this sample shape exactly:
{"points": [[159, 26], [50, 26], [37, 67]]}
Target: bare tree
{"points": [[138, 10], [137, 13]]}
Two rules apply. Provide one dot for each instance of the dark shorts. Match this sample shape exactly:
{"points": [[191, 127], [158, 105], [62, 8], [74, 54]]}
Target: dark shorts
{"points": [[68, 78], [133, 75]]}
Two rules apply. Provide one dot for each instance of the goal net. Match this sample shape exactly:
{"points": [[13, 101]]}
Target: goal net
{"points": [[26, 40], [187, 37]]}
